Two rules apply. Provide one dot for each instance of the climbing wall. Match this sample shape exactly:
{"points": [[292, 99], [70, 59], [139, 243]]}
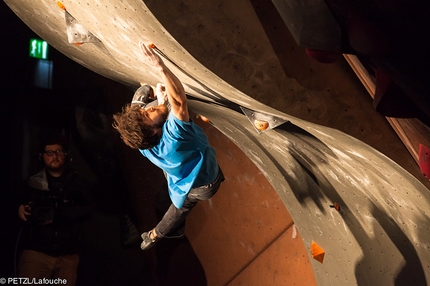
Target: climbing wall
{"points": [[247, 245], [341, 173]]}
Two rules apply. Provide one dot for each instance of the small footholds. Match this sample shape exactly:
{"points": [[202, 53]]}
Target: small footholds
{"points": [[317, 252], [61, 5], [336, 206], [261, 125], [204, 119]]}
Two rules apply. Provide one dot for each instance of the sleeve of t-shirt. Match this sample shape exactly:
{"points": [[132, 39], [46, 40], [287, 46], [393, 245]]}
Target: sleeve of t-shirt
{"points": [[180, 130]]}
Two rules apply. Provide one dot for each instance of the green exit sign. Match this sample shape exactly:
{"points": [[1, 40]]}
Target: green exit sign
{"points": [[38, 49]]}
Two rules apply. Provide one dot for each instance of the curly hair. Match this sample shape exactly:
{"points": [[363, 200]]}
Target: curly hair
{"points": [[132, 129]]}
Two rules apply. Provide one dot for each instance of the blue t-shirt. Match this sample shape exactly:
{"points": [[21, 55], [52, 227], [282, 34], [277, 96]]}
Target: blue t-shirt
{"points": [[185, 155]]}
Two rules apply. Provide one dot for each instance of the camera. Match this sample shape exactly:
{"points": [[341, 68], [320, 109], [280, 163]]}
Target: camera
{"points": [[43, 210]]}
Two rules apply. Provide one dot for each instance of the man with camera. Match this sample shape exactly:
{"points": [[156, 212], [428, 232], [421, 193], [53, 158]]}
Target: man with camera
{"points": [[55, 202]]}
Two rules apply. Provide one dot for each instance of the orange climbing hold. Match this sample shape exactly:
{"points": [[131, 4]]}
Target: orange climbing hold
{"points": [[152, 46], [261, 125], [61, 5], [317, 252], [204, 119], [335, 206]]}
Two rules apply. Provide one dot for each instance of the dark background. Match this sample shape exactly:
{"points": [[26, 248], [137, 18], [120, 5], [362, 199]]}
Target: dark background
{"points": [[124, 184], [79, 105]]}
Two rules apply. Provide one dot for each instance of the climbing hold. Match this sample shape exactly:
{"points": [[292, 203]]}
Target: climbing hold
{"points": [[204, 119], [317, 252], [61, 5], [323, 56], [152, 46], [261, 125], [261, 121], [76, 33], [424, 160], [336, 206]]}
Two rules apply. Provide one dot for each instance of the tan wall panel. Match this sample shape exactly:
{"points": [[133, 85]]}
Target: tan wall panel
{"points": [[284, 262], [232, 229]]}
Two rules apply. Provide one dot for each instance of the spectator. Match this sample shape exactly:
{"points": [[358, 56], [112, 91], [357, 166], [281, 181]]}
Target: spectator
{"points": [[54, 204]]}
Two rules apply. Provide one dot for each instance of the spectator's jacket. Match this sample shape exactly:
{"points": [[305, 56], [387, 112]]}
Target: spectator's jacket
{"points": [[66, 202]]}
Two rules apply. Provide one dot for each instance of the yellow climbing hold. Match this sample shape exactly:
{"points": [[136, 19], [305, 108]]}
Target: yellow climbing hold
{"points": [[61, 5]]}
